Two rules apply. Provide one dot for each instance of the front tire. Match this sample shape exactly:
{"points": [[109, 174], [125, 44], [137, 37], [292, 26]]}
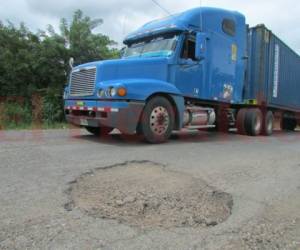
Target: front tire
{"points": [[157, 121]]}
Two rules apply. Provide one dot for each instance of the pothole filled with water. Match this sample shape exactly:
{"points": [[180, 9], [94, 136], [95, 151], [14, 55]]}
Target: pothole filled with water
{"points": [[146, 194]]}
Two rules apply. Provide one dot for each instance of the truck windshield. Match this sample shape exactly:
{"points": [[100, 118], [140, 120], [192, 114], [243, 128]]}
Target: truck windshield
{"points": [[157, 47]]}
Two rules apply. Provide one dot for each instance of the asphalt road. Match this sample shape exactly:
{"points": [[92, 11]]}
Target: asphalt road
{"points": [[262, 175]]}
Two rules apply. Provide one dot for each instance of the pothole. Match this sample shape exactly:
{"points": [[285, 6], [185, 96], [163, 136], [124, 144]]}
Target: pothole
{"points": [[146, 194]]}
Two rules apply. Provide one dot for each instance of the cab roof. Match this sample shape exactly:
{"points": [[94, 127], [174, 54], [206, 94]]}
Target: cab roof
{"points": [[197, 19]]}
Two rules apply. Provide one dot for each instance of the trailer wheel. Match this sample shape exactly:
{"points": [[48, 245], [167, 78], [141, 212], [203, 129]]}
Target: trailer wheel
{"points": [[98, 131], [268, 124], [288, 124], [253, 122], [157, 120]]}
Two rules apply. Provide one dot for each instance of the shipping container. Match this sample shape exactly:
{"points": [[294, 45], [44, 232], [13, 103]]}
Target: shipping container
{"points": [[273, 71]]}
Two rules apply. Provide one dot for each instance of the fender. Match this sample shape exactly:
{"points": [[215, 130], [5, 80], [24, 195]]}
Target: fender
{"points": [[143, 89], [180, 107], [147, 87]]}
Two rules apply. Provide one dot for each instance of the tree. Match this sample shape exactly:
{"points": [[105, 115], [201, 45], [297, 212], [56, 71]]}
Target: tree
{"points": [[38, 62], [85, 46]]}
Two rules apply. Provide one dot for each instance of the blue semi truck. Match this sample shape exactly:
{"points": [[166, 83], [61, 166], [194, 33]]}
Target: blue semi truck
{"points": [[203, 68]]}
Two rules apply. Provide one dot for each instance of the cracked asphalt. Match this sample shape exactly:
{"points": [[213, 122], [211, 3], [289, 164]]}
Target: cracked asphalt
{"points": [[262, 175]]}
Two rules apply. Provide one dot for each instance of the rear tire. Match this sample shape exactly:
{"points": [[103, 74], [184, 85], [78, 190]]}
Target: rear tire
{"points": [[253, 122], [157, 121], [268, 124], [98, 131], [240, 121]]}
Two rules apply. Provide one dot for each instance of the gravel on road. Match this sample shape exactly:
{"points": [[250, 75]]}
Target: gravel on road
{"points": [[205, 191]]}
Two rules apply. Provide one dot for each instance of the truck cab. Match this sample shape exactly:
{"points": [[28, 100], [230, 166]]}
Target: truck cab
{"points": [[205, 48]]}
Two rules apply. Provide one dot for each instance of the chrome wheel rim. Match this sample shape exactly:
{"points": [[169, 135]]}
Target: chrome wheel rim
{"points": [[159, 120]]}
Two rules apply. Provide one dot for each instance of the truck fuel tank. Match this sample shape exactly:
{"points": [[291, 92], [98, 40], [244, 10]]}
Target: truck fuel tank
{"points": [[199, 116]]}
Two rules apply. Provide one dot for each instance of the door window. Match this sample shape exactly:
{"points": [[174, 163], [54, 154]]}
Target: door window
{"points": [[189, 48]]}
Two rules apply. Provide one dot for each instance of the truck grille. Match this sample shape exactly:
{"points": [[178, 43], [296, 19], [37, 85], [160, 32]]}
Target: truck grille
{"points": [[83, 82]]}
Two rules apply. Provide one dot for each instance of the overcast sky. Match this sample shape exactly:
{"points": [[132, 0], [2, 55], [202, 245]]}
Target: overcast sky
{"points": [[123, 16]]}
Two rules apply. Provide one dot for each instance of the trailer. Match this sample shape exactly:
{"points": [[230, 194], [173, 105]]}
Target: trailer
{"points": [[273, 79], [203, 68]]}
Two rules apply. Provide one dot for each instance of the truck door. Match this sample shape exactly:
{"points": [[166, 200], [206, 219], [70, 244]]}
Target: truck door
{"points": [[227, 48], [189, 71]]}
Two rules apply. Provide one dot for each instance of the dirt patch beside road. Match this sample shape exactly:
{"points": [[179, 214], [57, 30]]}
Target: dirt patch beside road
{"points": [[146, 194]]}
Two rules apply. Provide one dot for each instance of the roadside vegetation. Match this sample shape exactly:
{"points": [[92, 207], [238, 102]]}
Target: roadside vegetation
{"points": [[34, 68]]}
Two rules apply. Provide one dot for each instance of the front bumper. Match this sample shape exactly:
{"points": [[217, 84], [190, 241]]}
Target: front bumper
{"points": [[115, 114]]}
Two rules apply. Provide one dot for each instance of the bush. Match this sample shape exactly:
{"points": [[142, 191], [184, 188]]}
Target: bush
{"points": [[43, 110], [14, 114], [52, 108]]}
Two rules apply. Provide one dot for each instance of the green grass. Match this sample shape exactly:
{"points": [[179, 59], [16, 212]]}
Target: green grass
{"points": [[13, 126], [56, 126]]}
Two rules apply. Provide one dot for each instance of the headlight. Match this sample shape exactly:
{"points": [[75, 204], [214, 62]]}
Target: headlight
{"points": [[112, 92], [101, 93]]}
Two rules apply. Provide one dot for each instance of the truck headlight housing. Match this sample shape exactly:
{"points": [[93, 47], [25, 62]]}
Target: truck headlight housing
{"points": [[113, 91]]}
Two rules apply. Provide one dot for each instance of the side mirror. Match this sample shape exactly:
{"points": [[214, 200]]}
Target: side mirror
{"points": [[200, 51]]}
